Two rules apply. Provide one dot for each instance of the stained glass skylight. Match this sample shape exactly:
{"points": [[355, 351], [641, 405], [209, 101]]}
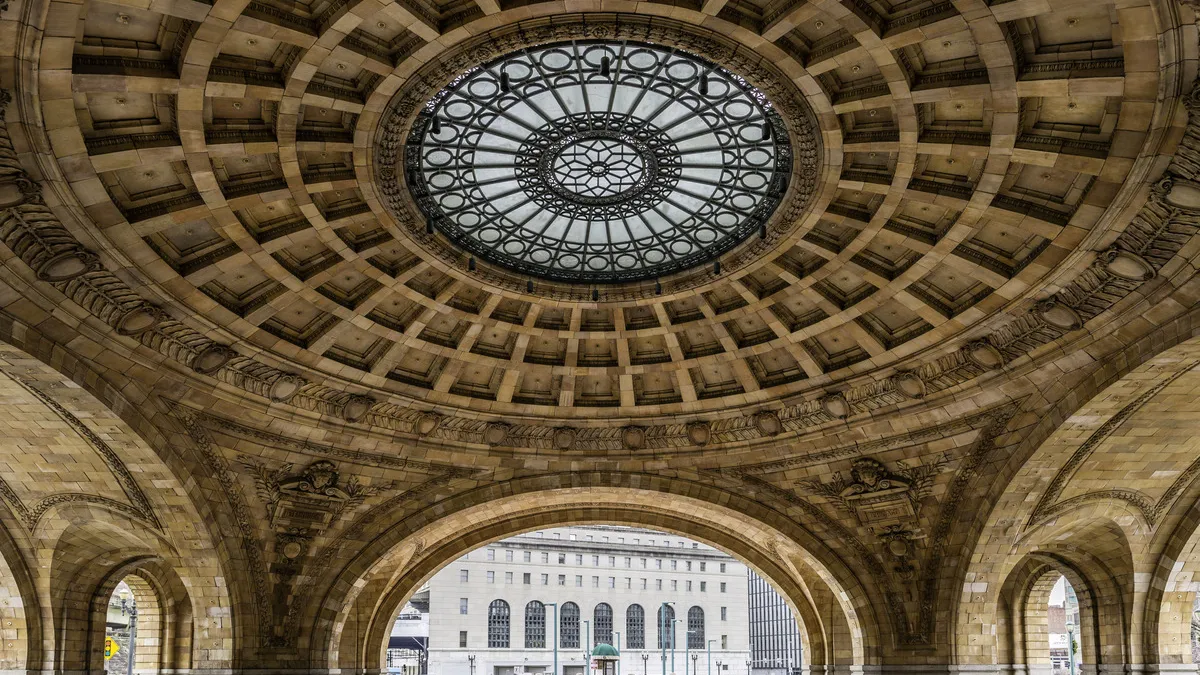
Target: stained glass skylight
{"points": [[598, 162]]}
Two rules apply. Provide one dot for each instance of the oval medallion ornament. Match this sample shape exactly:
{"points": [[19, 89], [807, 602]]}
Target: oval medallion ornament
{"points": [[909, 384], [699, 433], [212, 358], [427, 423], [140, 319], [1058, 315], [495, 433], [768, 423], [984, 355], [1126, 265], [356, 407], [634, 438], [68, 264], [564, 438], [836, 405], [598, 161], [283, 389]]}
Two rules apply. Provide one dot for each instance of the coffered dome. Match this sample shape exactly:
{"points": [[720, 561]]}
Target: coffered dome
{"points": [[803, 211]]}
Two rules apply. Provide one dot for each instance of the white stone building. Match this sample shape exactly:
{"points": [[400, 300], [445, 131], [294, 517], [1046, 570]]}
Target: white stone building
{"points": [[490, 610]]}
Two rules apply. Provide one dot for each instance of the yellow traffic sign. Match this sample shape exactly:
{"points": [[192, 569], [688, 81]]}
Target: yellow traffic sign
{"points": [[110, 648]]}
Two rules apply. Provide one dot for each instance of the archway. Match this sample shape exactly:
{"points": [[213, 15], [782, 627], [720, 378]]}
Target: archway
{"points": [[843, 631]]}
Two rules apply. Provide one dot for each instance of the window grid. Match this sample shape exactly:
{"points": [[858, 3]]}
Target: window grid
{"points": [[602, 624], [535, 625], [569, 626], [695, 625], [635, 627], [498, 625]]}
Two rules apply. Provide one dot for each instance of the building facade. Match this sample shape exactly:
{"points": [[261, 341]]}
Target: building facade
{"points": [[492, 611], [775, 645]]}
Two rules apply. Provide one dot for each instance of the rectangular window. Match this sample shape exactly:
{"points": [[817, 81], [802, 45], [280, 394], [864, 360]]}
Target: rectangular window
{"points": [[612, 561], [612, 582], [651, 542], [527, 578], [527, 556], [689, 586], [703, 586], [724, 613], [590, 538], [463, 575], [491, 554], [674, 564], [722, 568], [674, 584], [595, 561], [643, 584], [462, 638], [643, 563], [462, 605], [508, 577], [578, 558], [628, 562], [689, 565], [595, 582], [724, 642], [579, 581], [562, 580], [508, 557], [722, 586], [629, 583], [573, 537], [558, 535], [545, 579], [491, 577], [545, 557], [562, 558], [658, 584], [701, 567], [658, 563]]}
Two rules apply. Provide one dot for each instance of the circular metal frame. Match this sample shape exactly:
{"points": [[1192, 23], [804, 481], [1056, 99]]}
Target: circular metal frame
{"points": [[598, 161]]}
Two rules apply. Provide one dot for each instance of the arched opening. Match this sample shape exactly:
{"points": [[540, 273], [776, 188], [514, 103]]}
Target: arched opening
{"points": [[1062, 628], [120, 630], [593, 583], [408, 557]]}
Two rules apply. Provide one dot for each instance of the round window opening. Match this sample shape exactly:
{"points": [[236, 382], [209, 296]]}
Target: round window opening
{"points": [[598, 162]]}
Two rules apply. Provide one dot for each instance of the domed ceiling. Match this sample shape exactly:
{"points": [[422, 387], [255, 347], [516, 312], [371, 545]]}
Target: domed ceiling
{"points": [[756, 215]]}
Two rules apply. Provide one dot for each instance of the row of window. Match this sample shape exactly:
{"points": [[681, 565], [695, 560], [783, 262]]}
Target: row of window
{"points": [[527, 556], [499, 622], [464, 607], [527, 579], [620, 540]]}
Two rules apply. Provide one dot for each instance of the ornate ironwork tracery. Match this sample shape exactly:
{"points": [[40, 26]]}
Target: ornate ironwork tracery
{"points": [[598, 161]]}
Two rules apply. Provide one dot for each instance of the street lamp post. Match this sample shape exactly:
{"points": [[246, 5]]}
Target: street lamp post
{"points": [[710, 656], [555, 606], [645, 664], [718, 666], [687, 645], [673, 643], [662, 633], [618, 651], [587, 633], [695, 657]]}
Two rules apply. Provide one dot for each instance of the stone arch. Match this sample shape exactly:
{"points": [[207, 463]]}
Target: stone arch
{"points": [[184, 517], [835, 610], [88, 561], [1172, 589], [1095, 557], [20, 624]]}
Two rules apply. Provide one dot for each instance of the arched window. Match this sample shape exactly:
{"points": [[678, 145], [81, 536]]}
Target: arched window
{"points": [[635, 627], [602, 624], [695, 634], [569, 626], [498, 621], [535, 625], [665, 622]]}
